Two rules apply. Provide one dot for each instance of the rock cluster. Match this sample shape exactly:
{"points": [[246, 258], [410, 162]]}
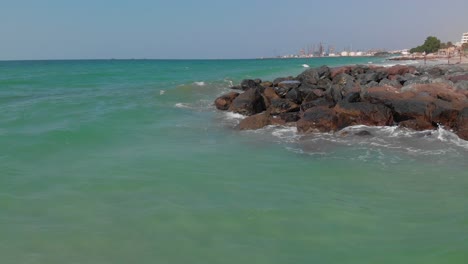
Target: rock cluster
{"points": [[330, 99]]}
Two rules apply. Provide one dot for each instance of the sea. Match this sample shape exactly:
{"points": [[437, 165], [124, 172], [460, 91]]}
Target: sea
{"points": [[128, 161]]}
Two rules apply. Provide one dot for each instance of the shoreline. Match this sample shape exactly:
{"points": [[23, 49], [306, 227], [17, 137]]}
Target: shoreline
{"points": [[418, 97]]}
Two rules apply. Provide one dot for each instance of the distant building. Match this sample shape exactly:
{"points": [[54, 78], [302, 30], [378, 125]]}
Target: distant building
{"points": [[464, 38]]}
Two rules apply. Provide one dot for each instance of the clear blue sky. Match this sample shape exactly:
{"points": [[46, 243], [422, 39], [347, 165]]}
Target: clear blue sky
{"points": [[85, 29]]}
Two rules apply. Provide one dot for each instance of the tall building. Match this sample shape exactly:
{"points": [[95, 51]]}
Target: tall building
{"points": [[464, 38]]}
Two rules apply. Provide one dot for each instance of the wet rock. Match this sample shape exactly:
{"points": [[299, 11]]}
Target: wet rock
{"points": [[362, 113], [318, 119], [280, 105], [248, 84], [285, 86], [317, 102], [294, 95], [255, 121], [248, 103], [463, 124], [416, 124], [223, 102], [363, 133]]}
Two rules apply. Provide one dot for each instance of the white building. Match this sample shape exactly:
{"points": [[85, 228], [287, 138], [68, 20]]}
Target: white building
{"points": [[464, 38]]}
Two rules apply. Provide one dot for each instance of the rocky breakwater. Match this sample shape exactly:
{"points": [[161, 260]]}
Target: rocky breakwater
{"points": [[330, 99]]}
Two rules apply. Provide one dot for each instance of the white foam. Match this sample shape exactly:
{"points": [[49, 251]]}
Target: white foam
{"points": [[234, 116], [182, 105], [199, 83], [162, 92], [305, 66]]}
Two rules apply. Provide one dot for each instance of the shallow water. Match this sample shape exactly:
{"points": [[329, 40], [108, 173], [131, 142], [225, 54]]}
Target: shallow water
{"points": [[129, 162]]}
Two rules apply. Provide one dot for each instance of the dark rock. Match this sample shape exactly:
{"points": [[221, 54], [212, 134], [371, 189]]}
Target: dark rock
{"points": [[416, 124], [291, 84], [248, 84], [268, 95], [255, 122], [324, 72], [266, 84], [223, 102], [372, 84], [444, 114], [280, 105], [462, 130], [312, 95], [248, 103], [282, 79], [362, 113], [400, 70], [363, 133], [318, 119], [458, 78], [309, 77], [353, 97], [236, 87], [285, 86], [324, 84], [290, 117], [321, 102], [462, 85], [295, 96], [258, 81], [392, 83], [337, 71]]}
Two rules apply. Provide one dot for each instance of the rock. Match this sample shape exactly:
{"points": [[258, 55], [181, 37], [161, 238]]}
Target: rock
{"points": [[291, 84], [284, 119], [324, 84], [248, 84], [318, 119], [362, 113], [255, 122], [266, 84], [416, 124], [285, 86], [236, 87], [458, 78], [392, 83], [444, 113], [280, 105], [223, 102], [318, 102], [462, 130], [363, 133], [313, 94], [295, 96], [282, 79], [248, 103], [309, 77], [324, 72], [400, 70], [462, 85], [411, 109], [337, 71]]}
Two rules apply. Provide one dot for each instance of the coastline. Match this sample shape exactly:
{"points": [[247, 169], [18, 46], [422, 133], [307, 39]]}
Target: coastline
{"points": [[417, 97]]}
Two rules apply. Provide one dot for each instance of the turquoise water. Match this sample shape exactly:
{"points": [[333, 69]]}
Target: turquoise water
{"points": [[129, 162]]}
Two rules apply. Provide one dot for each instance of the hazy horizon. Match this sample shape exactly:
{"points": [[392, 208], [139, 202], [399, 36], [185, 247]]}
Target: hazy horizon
{"points": [[210, 29]]}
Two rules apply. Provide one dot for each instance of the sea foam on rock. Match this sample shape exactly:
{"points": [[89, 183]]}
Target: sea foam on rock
{"points": [[328, 100]]}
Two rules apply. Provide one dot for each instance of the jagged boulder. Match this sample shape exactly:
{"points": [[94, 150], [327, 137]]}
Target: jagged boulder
{"points": [[248, 103], [462, 131], [255, 121], [281, 105], [362, 113], [224, 101], [318, 119]]}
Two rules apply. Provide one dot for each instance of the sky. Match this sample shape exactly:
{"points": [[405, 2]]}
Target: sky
{"points": [[210, 29]]}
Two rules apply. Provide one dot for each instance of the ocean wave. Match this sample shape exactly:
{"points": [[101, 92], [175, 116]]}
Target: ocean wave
{"points": [[199, 83], [182, 105], [305, 66]]}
